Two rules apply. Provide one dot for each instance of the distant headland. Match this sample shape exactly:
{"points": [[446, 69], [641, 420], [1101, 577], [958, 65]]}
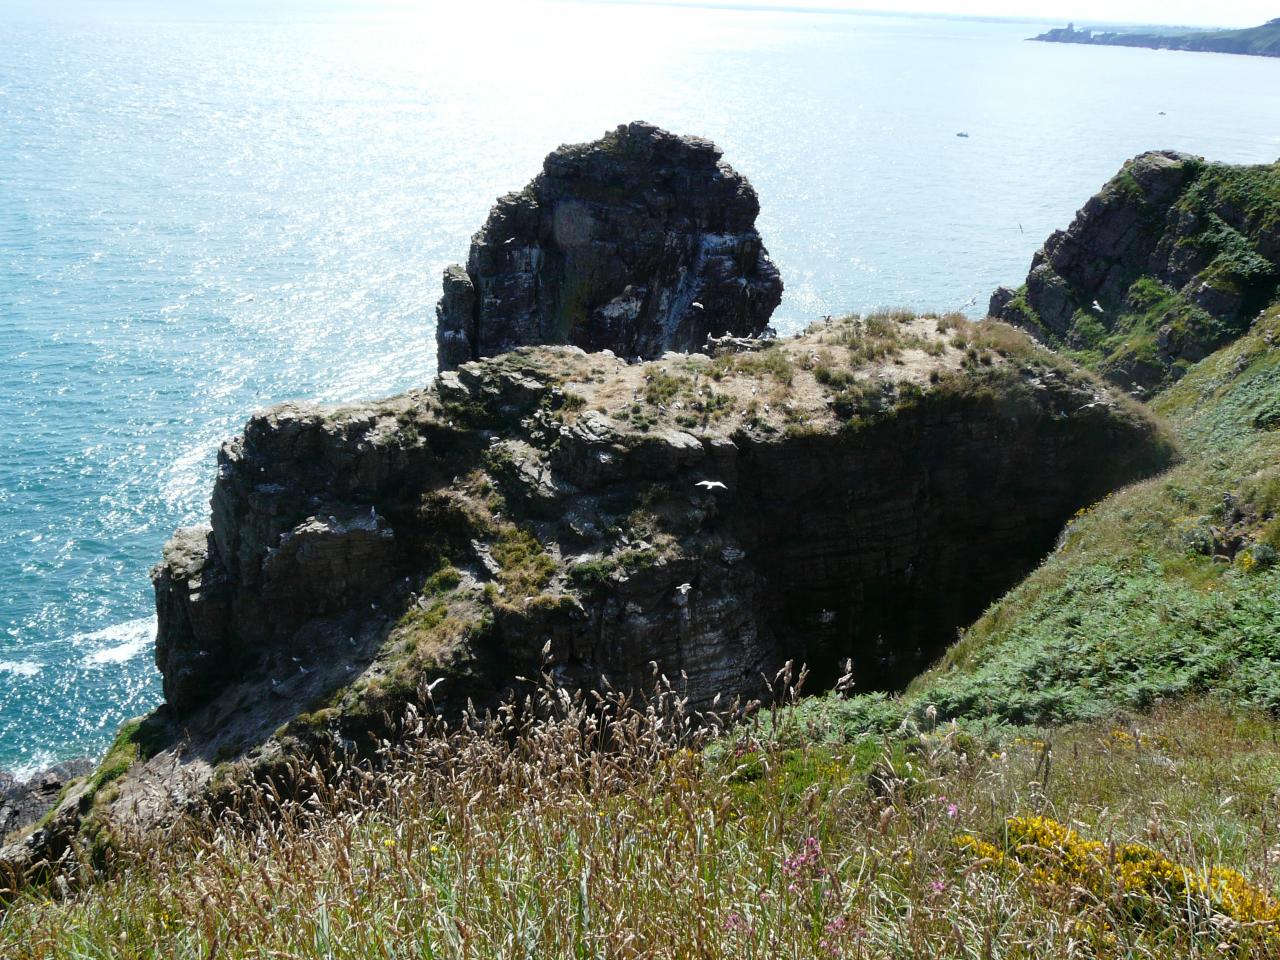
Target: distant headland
{"points": [[1262, 41]]}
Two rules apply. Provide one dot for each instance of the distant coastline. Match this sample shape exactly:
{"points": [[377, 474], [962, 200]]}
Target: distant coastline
{"points": [[1262, 41]]}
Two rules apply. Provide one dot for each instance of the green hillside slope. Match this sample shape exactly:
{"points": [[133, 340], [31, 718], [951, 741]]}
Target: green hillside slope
{"points": [[1164, 589]]}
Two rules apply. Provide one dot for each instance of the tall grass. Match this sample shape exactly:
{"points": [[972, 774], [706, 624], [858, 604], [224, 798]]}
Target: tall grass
{"points": [[606, 827]]}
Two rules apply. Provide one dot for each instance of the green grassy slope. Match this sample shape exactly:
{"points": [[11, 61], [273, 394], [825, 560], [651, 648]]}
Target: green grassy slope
{"points": [[1134, 838], [1165, 589]]}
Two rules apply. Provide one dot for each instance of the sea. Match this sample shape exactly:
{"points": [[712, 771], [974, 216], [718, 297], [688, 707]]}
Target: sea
{"points": [[210, 207]]}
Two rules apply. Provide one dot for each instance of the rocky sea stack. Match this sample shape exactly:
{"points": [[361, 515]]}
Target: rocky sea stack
{"points": [[1175, 257], [640, 242]]}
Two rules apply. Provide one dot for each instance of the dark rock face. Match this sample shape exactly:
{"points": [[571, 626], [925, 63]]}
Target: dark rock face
{"points": [[299, 532], [574, 520], [1172, 259], [640, 242], [23, 802]]}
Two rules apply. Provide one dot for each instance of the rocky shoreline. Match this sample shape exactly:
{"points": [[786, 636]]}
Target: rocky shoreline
{"points": [[24, 801]]}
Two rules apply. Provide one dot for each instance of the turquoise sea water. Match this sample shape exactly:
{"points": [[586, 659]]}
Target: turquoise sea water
{"points": [[205, 209]]}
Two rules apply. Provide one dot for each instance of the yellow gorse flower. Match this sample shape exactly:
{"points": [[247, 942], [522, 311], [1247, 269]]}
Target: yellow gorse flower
{"points": [[1050, 852]]}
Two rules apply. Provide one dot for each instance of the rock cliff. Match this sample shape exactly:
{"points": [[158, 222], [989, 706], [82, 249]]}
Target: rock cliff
{"points": [[639, 242], [23, 802], [1172, 259], [717, 515], [858, 492]]}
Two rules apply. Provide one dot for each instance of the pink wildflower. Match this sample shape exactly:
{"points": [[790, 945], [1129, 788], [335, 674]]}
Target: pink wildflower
{"points": [[736, 923]]}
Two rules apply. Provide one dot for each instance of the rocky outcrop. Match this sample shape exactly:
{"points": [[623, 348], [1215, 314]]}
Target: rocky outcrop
{"points": [[1172, 259], [717, 516], [639, 242], [23, 802]]}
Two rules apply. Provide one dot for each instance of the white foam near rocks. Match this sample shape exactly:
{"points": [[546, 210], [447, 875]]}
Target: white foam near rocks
{"points": [[118, 643], [21, 668]]}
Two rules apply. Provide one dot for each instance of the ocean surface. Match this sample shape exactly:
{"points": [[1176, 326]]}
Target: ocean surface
{"points": [[206, 209]]}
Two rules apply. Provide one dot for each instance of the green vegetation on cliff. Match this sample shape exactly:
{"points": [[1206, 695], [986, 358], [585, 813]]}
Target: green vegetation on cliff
{"points": [[1107, 791], [1174, 258], [1090, 770]]}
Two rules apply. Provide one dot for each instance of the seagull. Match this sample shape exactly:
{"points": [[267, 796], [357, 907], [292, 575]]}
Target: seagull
{"points": [[684, 589], [711, 485], [1097, 306], [696, 305]]}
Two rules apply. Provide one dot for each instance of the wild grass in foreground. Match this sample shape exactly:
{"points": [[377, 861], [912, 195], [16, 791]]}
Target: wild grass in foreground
{"points": [[577, 837]]}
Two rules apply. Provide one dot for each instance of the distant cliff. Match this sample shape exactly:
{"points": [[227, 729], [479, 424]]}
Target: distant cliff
{"points": [[1173, 258], [1263, 41]]}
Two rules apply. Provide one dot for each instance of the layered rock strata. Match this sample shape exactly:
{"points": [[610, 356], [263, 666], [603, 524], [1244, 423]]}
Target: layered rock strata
{"points": [[1172, 259], [715, 515], [640, 242]]}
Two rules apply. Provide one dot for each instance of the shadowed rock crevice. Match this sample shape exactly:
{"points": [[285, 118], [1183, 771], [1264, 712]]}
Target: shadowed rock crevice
{"points": [[640, 242]]}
